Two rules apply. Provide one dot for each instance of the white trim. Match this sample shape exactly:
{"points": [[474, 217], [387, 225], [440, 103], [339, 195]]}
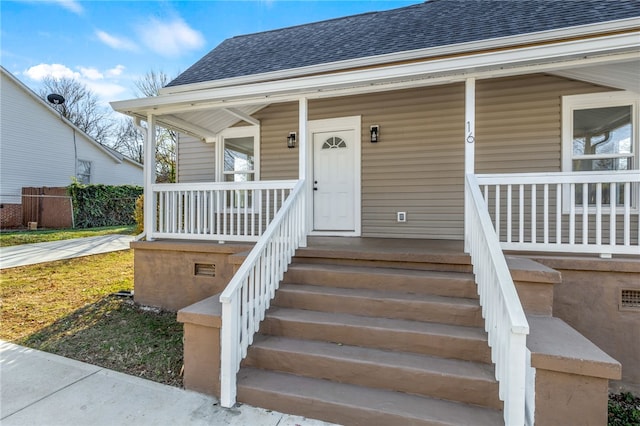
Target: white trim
{"points": [[598, 100], [547, 57], [352, 123], [238, 132], [493, 43]]}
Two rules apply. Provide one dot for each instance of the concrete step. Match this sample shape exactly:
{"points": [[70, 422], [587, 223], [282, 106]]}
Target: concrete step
{"points": [[385, 304], [449, 379], [429, 338], [354, 405], [439, 283]]}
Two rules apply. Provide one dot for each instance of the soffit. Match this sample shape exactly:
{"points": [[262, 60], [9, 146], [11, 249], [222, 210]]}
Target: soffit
{"points": [[623, 75]]}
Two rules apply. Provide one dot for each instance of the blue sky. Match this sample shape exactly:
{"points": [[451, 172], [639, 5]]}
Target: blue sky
{"points": [[108, 45]]}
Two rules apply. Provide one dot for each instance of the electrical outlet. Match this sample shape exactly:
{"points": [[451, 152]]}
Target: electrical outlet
{"points": [[401, 216]]}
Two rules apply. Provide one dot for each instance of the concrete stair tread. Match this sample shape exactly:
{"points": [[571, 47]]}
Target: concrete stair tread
{"points": [[392, 359], [383, 271], [354, 405], [463, 332], [381, 294]]}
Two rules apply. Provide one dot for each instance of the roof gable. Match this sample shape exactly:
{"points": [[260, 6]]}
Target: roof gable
{"points": [[431, 24]]}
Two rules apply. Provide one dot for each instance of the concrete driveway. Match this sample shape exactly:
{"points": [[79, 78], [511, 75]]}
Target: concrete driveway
{"points": [[30, 254]]}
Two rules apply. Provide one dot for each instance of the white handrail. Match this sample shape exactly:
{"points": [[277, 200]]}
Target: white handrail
{"points": [[248, 295], [505, 321], [578, 212]]}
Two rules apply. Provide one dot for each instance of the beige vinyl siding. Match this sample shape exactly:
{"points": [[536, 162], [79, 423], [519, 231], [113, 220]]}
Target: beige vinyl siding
{"points": [[417, 166], [276, 160], [518, 122], [196, 160]]}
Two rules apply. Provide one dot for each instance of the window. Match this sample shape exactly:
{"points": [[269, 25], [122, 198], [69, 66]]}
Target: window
{"points": [[237, 159], [84, 171], [600, 134]]}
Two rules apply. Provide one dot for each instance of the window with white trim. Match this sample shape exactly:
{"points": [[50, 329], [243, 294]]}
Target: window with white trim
{"points": [[84, 171], [237, 154], [600, 134], [237, 161]]}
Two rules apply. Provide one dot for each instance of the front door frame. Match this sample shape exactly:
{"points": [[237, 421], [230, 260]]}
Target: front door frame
{"points": [[352, 123]]}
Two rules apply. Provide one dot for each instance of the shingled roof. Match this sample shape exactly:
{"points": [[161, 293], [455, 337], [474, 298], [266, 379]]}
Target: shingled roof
{"points": [[431, 24]]}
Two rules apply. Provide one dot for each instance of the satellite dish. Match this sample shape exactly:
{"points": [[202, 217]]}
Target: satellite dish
{"points": [[56, 99]]}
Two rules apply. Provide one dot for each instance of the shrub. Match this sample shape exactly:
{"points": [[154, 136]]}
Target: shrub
{"points": [[138, 214], [624, 409], [103, 205]]}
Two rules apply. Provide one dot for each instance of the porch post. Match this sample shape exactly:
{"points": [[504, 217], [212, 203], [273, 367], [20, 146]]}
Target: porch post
{"points": [[149, 177], [469, 147], [303, 115]]}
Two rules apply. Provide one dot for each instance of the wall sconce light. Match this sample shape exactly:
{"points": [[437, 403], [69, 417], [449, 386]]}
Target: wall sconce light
{"points": [[291, 140], [375, 133]]}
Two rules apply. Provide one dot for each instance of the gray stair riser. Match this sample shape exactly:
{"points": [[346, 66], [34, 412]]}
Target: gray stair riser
{"points": [[441, 286], [436, 384], [446, 313], [445, 346], [354, 405]]}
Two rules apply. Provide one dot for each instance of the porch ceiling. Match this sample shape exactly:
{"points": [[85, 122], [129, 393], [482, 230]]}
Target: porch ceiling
{"points": [[622, 75]]}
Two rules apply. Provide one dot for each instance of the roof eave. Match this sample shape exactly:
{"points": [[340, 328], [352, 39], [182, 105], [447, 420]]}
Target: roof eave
{"points": [[453, 49], [500, 62]]}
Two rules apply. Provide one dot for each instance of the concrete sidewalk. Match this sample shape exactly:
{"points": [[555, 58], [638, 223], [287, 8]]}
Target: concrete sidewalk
{"points": [[30, 254], [38, 388]]}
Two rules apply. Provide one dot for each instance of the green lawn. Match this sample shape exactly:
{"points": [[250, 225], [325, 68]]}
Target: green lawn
{"points": [[14, 238], [68, 307]]}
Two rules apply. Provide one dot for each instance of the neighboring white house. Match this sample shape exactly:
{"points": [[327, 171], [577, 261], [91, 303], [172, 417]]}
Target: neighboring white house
{"points": [[40, 148]]}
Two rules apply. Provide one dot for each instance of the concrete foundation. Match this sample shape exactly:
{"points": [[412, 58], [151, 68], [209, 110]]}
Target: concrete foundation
{"points": [[571, 374], [589, 299], [175, 274]]}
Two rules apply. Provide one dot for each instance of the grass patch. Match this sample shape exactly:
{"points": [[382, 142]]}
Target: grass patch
{"points": [[67, 308], [14, 238], [624, 409]]}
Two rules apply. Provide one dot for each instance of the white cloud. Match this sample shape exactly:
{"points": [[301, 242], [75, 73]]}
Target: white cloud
{"points": [[115, 71], [71, 5], [105, 90], [39, 72], [103, 84], [91, 73], [118, 43], [170, 38]]}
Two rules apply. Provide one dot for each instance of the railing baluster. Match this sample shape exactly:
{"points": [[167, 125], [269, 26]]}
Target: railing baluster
{"points": [[545, 207], [599, 214], [613, 210], [534, 202], [585, 213], [559, 213], [497, 209], [521, 215], [572, 214], [509, 217], [627, 213]]}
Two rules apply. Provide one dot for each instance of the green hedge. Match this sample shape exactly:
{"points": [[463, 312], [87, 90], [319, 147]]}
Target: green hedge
{"points": [[103, 205]]}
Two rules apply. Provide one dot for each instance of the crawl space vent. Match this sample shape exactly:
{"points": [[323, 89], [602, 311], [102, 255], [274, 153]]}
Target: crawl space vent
{"points": [[205, 269], [630, 300]]}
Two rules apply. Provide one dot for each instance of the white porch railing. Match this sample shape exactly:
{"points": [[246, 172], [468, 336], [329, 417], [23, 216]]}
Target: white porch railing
{"points": [[505, 321], [546, 211], [248, 296], [228, 211]]}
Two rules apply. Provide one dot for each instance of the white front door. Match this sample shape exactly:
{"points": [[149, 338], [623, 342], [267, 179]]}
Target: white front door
{"points": [[334, 186]]}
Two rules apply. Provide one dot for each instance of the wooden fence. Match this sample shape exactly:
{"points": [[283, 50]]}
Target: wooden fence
{"points": [[49, 207]]}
